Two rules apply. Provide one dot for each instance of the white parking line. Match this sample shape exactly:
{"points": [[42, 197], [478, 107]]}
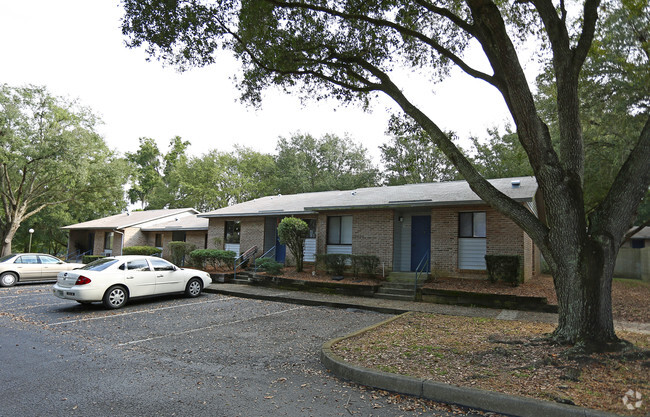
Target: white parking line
{"points": [[133, 342], [151, 310]]}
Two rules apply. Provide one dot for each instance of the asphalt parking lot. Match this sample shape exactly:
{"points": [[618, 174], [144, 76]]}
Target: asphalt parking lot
{"points": [[213, 355]]}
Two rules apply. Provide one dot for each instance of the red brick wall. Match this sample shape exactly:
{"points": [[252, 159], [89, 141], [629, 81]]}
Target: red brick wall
{"points": [[372, 233], [216, 229], [252, 233], [503, 237]]}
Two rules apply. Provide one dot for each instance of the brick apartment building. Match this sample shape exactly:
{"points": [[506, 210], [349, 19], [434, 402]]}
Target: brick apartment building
{"points": [[400, 225], [109, 235]]}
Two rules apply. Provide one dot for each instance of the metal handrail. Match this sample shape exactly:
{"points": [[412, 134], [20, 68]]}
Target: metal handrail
{"points": [[75, 253], [245, 256], [263, 256], [424, 262]]}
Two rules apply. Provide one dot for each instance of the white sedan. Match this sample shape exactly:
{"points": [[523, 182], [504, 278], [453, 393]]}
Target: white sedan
{"points": [[114, 280]]}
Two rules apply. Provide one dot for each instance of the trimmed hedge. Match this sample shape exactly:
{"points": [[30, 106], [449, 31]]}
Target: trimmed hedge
{"points": [[179, 251], [141, 250], [504, 268], [268, 265], [213, 257], [367, 264], [335, 263], [89, 258]]}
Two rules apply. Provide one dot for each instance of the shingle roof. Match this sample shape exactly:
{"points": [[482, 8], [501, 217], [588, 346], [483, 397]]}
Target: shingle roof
{"points": [[641, 234], [411, 195], [134, 218], [182, 223]]}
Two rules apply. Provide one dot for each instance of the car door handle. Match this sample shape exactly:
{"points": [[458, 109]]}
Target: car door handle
{"points": [[159, 276], [129, 277]]}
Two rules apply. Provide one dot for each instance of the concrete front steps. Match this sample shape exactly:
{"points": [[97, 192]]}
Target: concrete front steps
{"points": [[398, 286]]}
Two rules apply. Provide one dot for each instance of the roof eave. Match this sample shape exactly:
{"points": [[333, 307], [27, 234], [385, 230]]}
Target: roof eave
{"points": [[259, 214], [409, 205]]}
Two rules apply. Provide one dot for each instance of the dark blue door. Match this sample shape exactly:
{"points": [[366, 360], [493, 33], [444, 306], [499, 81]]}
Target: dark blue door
{"points": [[420, 240]]}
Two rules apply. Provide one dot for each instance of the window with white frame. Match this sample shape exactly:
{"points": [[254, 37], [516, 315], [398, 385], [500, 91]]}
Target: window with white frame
{"points": [[339, 230], [472, 232]]}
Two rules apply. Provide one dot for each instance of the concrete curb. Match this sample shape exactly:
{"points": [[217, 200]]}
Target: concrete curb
{"points": [[303, 301], [436, 391]]}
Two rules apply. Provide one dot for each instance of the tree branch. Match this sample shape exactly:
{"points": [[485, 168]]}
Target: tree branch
{"points": [[402, 30], [504, 204], [614, 213]]}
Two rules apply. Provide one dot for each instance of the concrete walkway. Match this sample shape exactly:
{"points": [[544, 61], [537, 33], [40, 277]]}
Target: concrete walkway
{"points": [[393, 306], [468, 397]]}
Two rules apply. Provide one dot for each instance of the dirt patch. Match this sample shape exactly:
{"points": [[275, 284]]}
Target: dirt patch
{"points": [[503, 356]]}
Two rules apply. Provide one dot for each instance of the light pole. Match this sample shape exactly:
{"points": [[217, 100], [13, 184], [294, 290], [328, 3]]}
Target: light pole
{"points": [[31, 232]]}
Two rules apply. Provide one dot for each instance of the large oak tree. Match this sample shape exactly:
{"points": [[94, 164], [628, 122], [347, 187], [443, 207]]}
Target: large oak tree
{"points": [[348, 49], [51, 155]]}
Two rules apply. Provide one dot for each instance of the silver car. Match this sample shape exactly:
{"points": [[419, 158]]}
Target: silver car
{"points": [[23, 267]]}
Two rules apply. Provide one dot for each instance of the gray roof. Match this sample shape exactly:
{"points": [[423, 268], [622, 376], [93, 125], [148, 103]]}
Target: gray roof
{"points": [[130, 219], [641, 234], [183, 223], [411, 195]]}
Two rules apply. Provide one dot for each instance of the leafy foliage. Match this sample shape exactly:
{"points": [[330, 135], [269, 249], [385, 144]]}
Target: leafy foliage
{"points": [[180, 251], [412, 158], [501, 157], [213, 257], [51, 158], [293, 232], [504, 268], [141, 250], [306, 164], [268, 265]]}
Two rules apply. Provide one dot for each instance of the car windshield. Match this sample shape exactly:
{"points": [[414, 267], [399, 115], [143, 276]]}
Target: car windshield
{"points": [[100, 264], [7, 257]]}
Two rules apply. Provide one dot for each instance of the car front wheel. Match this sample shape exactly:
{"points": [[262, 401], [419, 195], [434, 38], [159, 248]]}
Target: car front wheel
{"points": [[115, 297], [193, 288], [8, 279]]}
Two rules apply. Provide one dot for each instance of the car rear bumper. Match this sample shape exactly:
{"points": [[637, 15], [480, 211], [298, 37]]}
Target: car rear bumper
{"points": [[77, 293]]}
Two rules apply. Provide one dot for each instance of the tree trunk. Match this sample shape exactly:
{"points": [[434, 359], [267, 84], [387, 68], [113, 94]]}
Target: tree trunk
{"points": [[583, 284], [7, 236]]}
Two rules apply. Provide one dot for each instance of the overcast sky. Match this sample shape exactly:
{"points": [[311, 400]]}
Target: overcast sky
{"points": [[75, 48]]}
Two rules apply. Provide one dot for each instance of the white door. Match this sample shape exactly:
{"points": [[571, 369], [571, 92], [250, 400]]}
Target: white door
{"points": [[139, 278], [168, 277]]}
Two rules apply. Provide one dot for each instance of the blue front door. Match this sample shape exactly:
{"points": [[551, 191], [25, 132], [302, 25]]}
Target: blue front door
{"points": [[420, 240]]}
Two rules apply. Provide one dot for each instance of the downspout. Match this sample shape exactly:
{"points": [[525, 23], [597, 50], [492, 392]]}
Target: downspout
{"points": [[121, 240]]}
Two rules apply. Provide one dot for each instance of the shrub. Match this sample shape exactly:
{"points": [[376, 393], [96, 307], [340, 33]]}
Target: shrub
{"points": [[89, 258], [367, 264], [293, 232], [268, 265], [213, 257], [179, 250], [141, 250], [334, 263], [504, 267]]}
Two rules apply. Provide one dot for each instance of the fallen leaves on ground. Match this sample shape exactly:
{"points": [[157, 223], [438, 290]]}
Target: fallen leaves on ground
{"points": [[505, 356]]}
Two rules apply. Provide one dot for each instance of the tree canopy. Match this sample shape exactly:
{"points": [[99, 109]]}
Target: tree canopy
{"points": [[411, 158], [51, 155], [307, 164], [349, 49]]}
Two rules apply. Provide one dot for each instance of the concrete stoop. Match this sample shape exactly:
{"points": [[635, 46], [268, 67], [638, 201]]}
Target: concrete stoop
{"points": [[398, 286]]}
